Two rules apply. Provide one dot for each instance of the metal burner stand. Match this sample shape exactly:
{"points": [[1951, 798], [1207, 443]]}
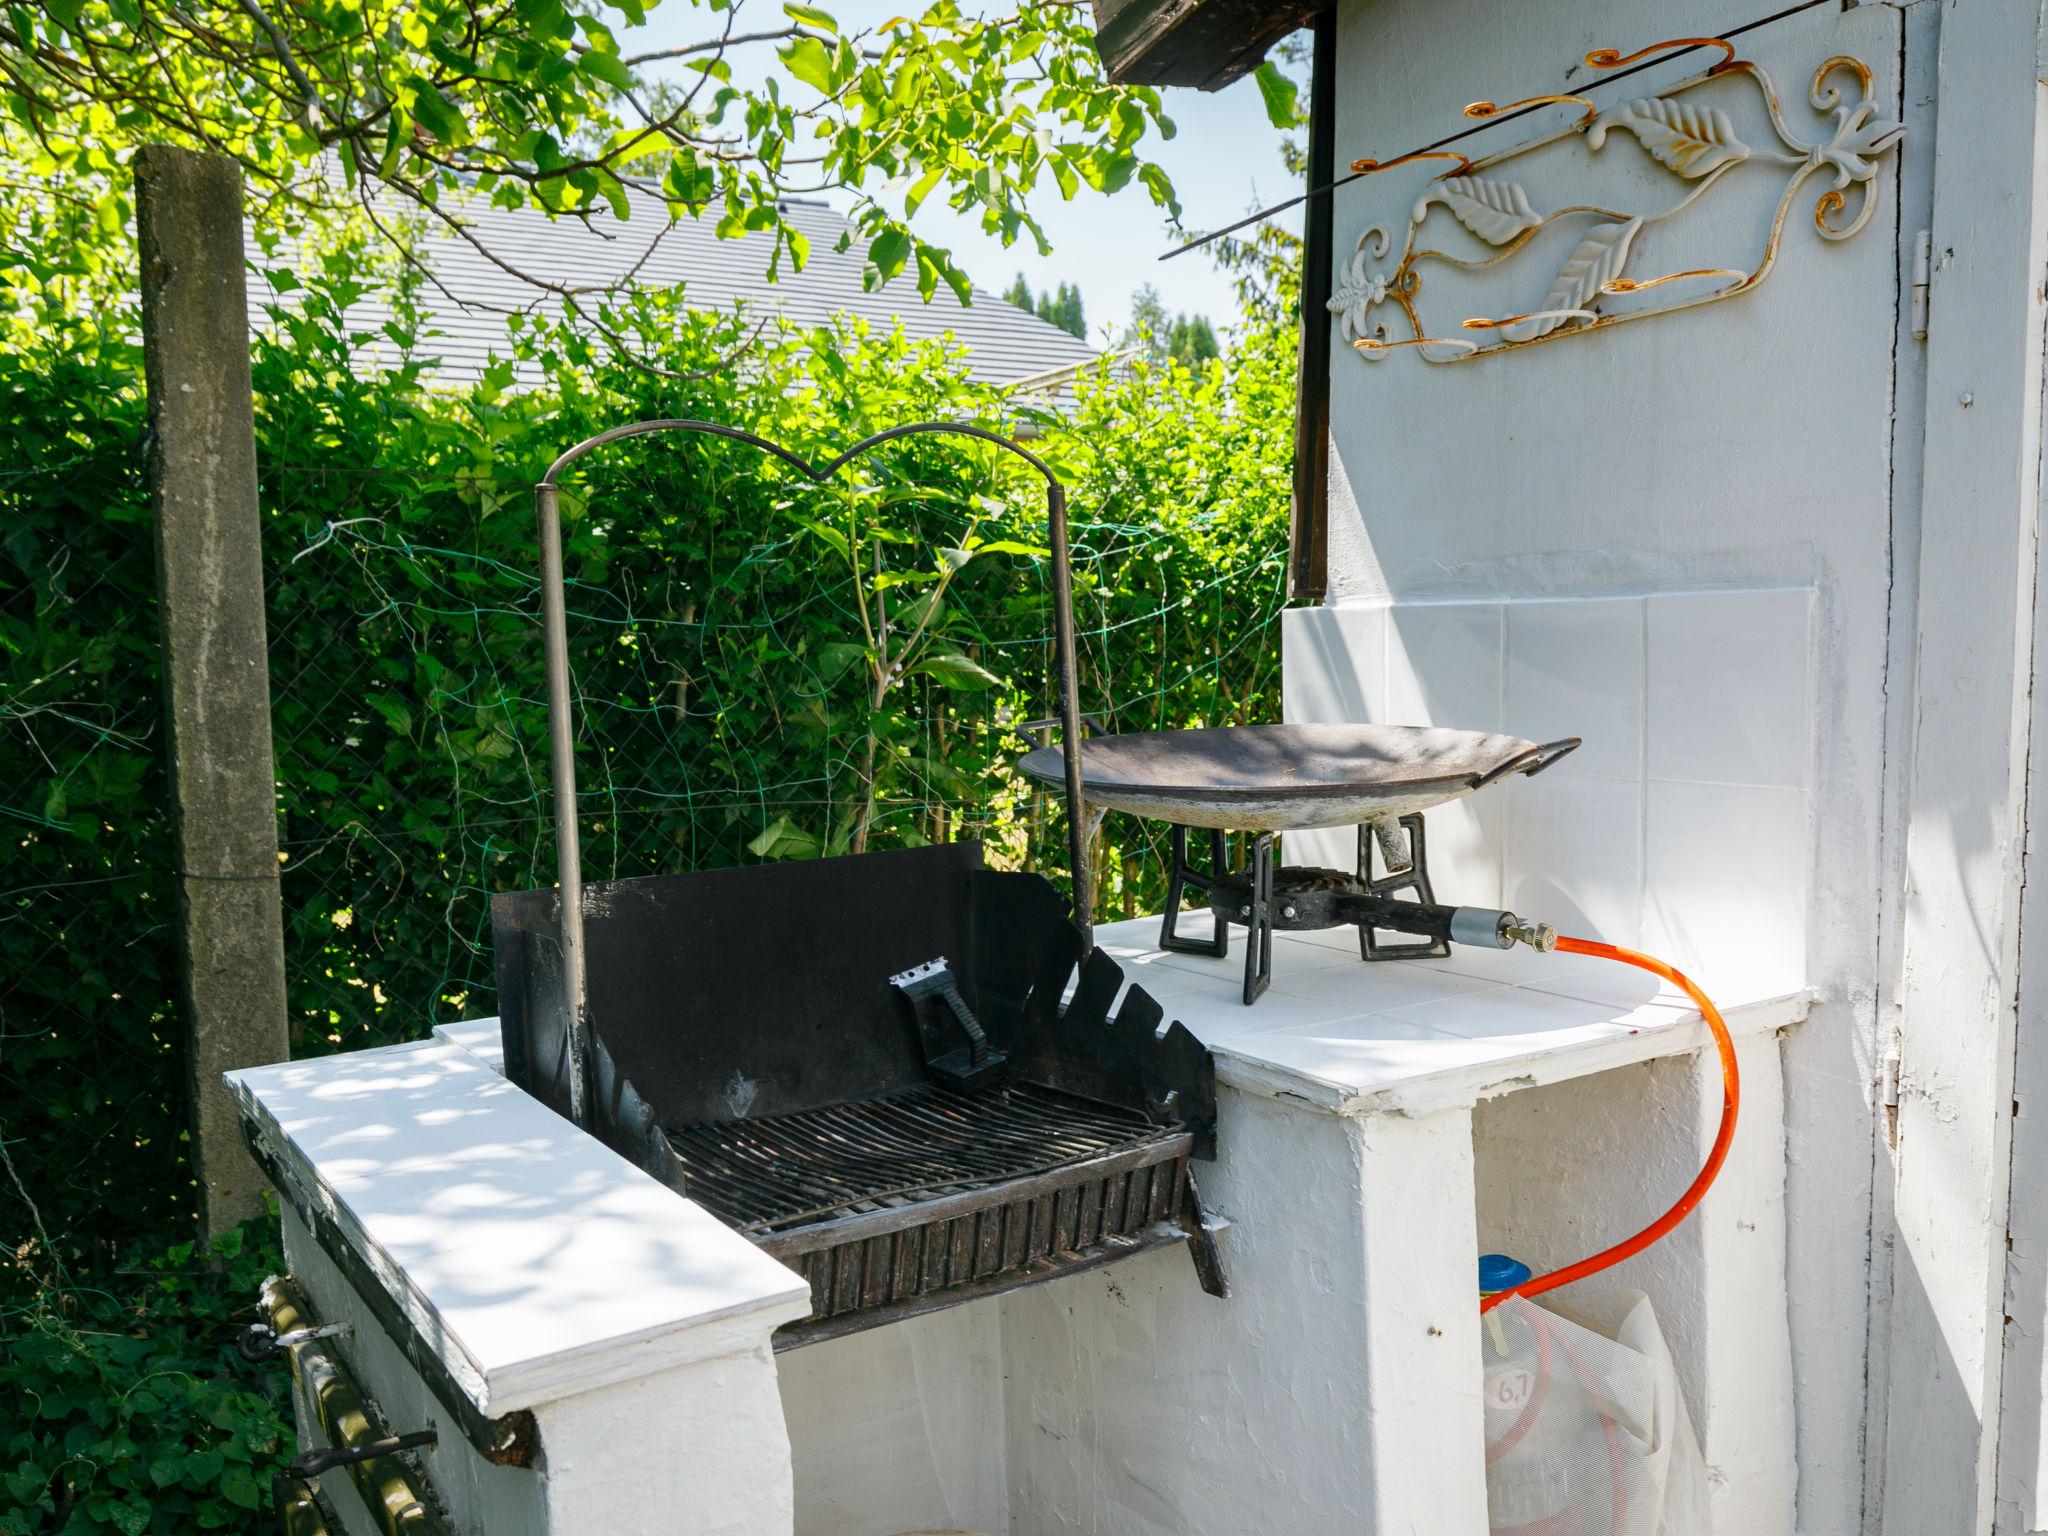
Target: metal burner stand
{"points": [[1262, 898]]}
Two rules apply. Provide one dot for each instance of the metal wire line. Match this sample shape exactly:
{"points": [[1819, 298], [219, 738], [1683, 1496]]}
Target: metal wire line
{"points": [[1606, 77]]}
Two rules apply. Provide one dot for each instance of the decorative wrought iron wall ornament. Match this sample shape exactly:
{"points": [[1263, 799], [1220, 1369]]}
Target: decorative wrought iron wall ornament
{"points": [[1696, 142]]}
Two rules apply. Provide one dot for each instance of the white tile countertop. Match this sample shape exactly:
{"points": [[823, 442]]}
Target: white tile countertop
{"points": [[533, 1260], [1412, 1036]]}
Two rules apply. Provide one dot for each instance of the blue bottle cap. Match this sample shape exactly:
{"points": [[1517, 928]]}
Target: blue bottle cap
{"points": [[1498, 1272]]}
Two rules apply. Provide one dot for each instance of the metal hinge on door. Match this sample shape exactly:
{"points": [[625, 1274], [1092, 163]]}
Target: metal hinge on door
{"points": [[1923, 251], [1888, 1094]]}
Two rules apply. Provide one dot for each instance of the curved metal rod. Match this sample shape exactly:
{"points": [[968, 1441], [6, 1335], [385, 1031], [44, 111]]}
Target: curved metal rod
{"points": [[1480, 323], [1486, 109], [1614, 58], [561, 729], [1638, 284], [1374, 167]]}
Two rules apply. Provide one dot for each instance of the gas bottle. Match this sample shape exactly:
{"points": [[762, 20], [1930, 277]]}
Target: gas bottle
{"points": [[1586, 1429]]}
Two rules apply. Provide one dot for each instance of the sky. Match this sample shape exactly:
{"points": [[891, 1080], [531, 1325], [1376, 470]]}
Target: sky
{"points": [[1224, 161]]}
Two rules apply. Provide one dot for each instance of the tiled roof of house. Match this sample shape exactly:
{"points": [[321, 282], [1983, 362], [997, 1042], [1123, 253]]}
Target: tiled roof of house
{"points": [[1005, 343]]}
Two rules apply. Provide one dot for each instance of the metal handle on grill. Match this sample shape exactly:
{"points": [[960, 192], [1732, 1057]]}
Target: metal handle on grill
{"points": [[561, 724], [1531, 762], [933, 983]]}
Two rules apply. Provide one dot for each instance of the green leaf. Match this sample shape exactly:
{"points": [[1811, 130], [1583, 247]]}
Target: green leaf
{"points": [[958, 281], [957, 671], [887, 253], [831, 537], [1278, 93], [914, 198], [1108, 170], [435, 112], [783, 839], [394, 711], [811, 62], [606, 67], [1157, 182], [238, 1485], [810, 16], [688, 180], [838, 657]]}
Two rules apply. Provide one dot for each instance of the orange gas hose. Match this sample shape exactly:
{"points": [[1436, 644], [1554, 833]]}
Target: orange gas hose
{"points": [[1731, 1099]]}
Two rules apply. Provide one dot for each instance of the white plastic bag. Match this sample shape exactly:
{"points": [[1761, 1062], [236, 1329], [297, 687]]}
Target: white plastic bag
{"points": [[1586, 1430]]}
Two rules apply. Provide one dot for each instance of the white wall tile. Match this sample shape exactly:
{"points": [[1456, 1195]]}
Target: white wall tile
{"points": [[1322, 848], [1576, 669], [1725, 890], [1444, 665], [1333, 672], [1728, 689], [1464, 843], [1333, 667], [1679, 827], [1572, 852]]}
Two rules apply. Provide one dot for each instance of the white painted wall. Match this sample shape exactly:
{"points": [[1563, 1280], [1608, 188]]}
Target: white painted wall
{"points": [[1313, 1400], [1739, 447], [901, 1428]]}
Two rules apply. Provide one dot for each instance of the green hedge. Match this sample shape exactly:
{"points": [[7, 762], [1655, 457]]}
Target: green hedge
{"points": [[738, 704], [130, 1410]]}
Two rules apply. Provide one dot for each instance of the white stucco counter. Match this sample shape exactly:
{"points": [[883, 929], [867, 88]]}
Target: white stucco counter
{"points": [[472, 1238], [1415, 1035], [1338, 1386], [1380, 1123]]}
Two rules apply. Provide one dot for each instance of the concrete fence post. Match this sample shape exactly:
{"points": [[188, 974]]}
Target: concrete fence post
{"points": [[216, 678]]}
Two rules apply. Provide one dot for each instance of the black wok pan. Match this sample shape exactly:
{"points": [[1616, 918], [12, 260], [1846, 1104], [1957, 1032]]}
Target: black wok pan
{"points": [[1281, 778]]}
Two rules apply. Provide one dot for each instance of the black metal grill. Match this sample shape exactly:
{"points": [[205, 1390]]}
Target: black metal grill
{"points": [[937, 1096], [817, 1165], [897, 1099]]}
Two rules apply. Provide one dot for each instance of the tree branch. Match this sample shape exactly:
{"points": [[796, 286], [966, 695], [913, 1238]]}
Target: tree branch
{"points": [[718, 45], [282, 47]]}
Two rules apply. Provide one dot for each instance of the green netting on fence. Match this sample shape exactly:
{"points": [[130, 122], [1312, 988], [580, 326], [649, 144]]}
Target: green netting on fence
{"points": [[765, 669]]}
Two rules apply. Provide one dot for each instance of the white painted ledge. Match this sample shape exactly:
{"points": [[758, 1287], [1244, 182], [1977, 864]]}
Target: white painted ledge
{"points": [[482, 1038], [536, 1262], [1412, 1037]]}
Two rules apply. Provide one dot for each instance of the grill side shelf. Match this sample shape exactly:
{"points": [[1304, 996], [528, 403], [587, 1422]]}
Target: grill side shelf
{"points": [[512, 1440]]}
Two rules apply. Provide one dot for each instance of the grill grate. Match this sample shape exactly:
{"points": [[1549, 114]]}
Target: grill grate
{"points": [[768, 1175]]}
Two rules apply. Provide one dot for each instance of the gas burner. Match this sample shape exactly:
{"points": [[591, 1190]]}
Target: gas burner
{"points": [[1262, 898], [1257, 780]]}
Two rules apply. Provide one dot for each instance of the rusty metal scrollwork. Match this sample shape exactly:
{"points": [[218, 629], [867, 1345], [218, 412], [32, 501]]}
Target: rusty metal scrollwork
{"points": [[1695, 141]]}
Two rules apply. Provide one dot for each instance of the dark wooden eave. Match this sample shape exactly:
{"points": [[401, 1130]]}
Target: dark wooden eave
{"points": [[1203, 43]]}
